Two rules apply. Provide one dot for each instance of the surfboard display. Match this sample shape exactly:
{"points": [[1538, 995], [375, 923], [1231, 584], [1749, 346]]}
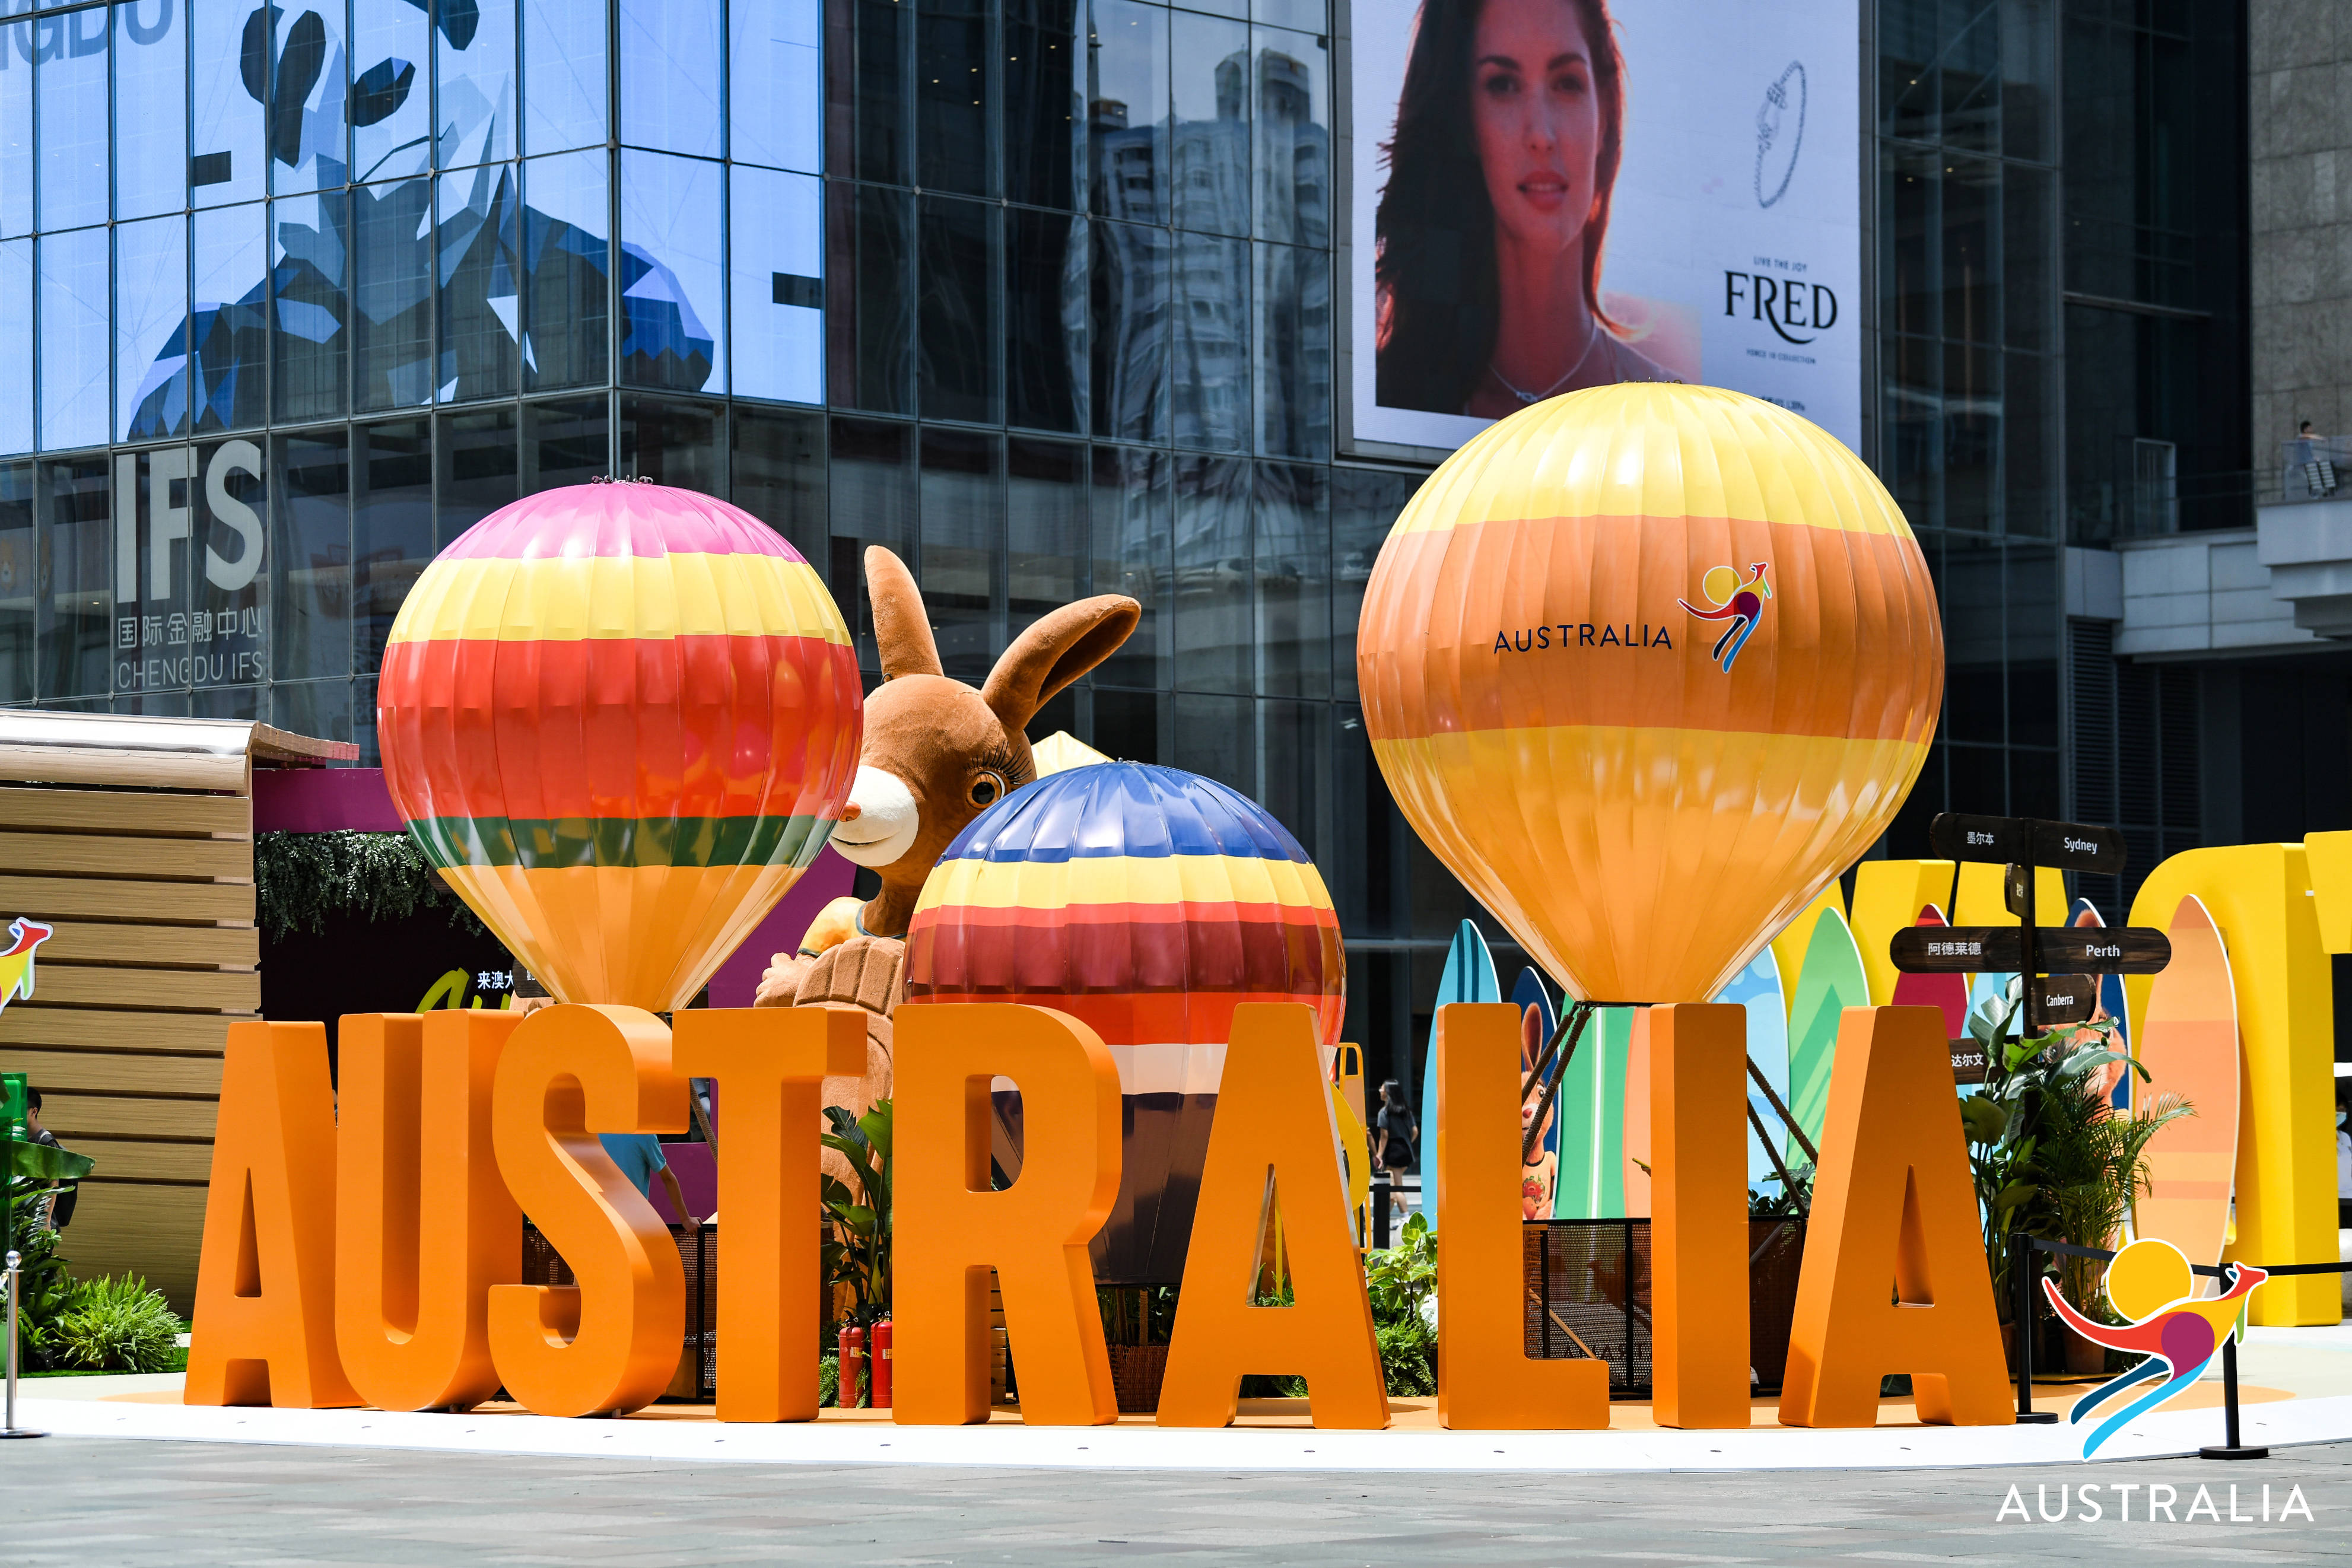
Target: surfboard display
{"points": [[1592, 1121], [1831, 981], [1757, 988], [2189, 1043], [1468, 976], [1949, 992]]}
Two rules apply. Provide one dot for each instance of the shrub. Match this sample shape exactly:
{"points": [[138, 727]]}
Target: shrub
{"points": [[117, 1325]]}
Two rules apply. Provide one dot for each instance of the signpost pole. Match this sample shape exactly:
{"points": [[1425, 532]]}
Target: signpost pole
{"points": [[9, 1428]]}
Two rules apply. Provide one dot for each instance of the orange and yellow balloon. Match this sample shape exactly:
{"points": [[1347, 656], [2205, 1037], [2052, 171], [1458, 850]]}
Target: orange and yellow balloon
{"points": [[1646, 666], [621, 720]]}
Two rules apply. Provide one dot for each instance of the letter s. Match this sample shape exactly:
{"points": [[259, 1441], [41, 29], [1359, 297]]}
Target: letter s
{"points": [[231, 575]]}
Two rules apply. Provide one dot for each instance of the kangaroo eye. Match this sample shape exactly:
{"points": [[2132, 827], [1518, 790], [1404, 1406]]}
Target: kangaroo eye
{"points": [[986, 789]]}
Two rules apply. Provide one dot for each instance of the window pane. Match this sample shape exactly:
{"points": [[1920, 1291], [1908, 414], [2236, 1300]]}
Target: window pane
{"points": [[872, 503], [307, 97], [480, 288], [865, 91], [480, 469], [1209, 338], [392, 233], [1131, 555], [670, 272], [1293, 137], [226, 161], [228, 323], [15, 129], [392, 526], [1209, 160], [776, 248], [475, 56], [1293, 351], [77, 652], [1212, 574], [778, 458], [1364, 506], [1293, 739], [1045, 336], [322, 708], [564, 74], [669, 76], [1047, 530], [15, 341], [311, 277], [1044, 104], [565, 443], [20, 589], [1127, 333], [1128, 115], [1126, 726], [957, 373], [567, 227], [963, 547], [1306, 15], [151, 328], [1215, 736], [229, 596], [392, 89], [775, 70], [310, 556], [869, 317], [73, 345], [150, 108], [154, 546], [1293, 553], [674, 442], [72, 52], [1971, 249], [953, 134]]}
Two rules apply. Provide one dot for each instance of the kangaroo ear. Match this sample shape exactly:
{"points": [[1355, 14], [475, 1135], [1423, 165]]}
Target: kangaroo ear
{"points": [[902, 630], [1054, 652]]}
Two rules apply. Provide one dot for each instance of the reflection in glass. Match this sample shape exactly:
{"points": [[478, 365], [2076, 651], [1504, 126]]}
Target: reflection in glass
{"points": [[481, 283], [1046, 369], [955, 70], [1126, 114], [240, 703], [1293, 740], [872, 503], [1212, 574], [566, 231], [775, 88], [226, 160], [391, 319], [1210, 154], [669, 76], [151, 328], [1292, 550], [73, 341], [151, 107], [307, 99], [20, 595], [392, 526], [1128, 332], [392, 89], [673, 442], [777, 462], [15, 129], [228, 599], [1209, 342], [1303, 16], [322, 708], [480, 469], [1364, 506], [1293, 351], [869, 314], [311, 278], [1293, 136], [475, 56], [672, 272], [956, 372], [1047, 530], [1128, 725], [563, 81], [776, 261], [865, 91], [229, 319], [77, 520], [310, 556], [565, 443], [1045, 103], [15, 341], [1214, 736], [71, 49], [1132, 554], [963, 547]]}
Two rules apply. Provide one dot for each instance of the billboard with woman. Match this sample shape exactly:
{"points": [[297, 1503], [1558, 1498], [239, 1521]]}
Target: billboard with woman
{"points": [[1553, 194]]}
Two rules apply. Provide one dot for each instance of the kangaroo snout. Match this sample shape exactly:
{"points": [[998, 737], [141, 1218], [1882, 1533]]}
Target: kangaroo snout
{"points": [[881, 821]]}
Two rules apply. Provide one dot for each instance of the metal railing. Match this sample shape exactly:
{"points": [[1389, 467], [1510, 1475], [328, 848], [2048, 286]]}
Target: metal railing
{"points": [[2314, 468]]}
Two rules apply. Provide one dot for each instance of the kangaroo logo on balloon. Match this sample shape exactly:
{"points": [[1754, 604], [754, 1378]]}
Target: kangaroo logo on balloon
{"points": [[1740, 604]]}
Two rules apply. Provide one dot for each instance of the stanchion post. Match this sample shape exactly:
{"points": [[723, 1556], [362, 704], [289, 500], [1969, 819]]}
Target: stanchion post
{"points": [[2022, 1262], [10, 1429], [1382, 1188], [2231, 1448]]}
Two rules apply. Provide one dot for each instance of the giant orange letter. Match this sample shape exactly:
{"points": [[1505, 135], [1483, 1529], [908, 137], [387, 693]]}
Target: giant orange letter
{"points": [[1698, 1233], [1893, 1202], [265, 1323], [611, 1342], [423, 1225], [950, 1228], [1274, 1145], [771, 1063], [1486, 1379]]}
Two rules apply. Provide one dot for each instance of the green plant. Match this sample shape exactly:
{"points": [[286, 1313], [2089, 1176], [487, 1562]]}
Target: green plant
{"points": [[856, 1252], [828, 1379], [1403, 1283], [48, 1291], [117, 1325], [301, 879], [1794, 1197]]}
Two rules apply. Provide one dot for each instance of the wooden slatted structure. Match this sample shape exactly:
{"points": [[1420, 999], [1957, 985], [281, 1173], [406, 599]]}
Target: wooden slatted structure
{"points": [[133, 837]]}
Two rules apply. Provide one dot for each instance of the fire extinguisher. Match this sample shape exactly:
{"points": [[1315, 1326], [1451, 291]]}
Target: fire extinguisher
{"points": [[881, 1369], [853, 1367]]}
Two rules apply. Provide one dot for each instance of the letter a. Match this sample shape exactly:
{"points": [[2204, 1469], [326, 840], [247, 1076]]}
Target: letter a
{"points": [[265, 1323], [1486, 1380], [1272, 1144], [423, 1224], [611, 1342], [950, 1228], [771, 1064], [1894, 1203]]}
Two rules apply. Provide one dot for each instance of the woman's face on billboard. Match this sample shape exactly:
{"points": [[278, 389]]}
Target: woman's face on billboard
{"points": [[1539, 119]]}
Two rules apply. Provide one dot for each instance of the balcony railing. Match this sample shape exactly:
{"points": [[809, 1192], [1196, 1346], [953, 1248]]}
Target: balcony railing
{"points": [[2314, 468]]}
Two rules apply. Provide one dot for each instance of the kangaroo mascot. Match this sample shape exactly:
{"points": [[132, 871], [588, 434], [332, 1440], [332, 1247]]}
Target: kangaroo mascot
{"points": [[937, 753]]}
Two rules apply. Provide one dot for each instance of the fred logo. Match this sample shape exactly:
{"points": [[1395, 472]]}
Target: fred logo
{"points": [[2149, 1283], [1740, 604], [25, 935]]}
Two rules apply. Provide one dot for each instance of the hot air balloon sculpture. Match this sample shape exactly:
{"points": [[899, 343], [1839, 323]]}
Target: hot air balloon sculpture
{"points": [[621, 720], [1647, 666], [1148, 903]]}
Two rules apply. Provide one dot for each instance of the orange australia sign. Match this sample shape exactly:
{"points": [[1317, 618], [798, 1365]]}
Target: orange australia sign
{"points": [[374, 1258]]}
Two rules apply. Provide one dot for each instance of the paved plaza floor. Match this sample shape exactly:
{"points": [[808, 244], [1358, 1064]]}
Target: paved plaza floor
{"points": [[83, 1501]]}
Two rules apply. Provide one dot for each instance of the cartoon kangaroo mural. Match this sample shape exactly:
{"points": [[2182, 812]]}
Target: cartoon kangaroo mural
{"points": [[24, 936]]}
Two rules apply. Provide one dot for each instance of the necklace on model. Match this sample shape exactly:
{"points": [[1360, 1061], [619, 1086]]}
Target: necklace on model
{"points": [[1591, 341]]}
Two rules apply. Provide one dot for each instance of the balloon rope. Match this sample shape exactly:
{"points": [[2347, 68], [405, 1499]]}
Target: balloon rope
{"points": [[1795, 1132], [1582, 1013]]}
